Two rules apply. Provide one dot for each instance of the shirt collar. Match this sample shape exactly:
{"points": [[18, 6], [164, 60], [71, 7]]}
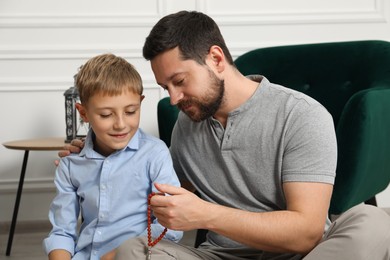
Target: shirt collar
{"points": [[263, 81], [89, 152]]}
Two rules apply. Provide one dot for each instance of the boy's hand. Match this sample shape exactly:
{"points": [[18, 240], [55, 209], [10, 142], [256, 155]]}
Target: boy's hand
{"points": [[59, 254], [109, 256], [75, 146]]}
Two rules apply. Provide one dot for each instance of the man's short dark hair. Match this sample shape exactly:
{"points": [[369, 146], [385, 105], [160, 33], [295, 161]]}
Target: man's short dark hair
{"points": [[193, 32]]}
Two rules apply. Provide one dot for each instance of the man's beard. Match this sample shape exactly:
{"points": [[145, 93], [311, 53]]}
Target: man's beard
{"points": [[208, 105]]}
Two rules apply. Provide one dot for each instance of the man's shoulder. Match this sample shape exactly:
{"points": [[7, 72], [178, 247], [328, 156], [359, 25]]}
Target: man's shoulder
{"points": [[292, 99]]}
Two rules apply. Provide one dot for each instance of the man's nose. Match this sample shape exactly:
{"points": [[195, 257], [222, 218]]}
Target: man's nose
{"points": [[176, 96]]}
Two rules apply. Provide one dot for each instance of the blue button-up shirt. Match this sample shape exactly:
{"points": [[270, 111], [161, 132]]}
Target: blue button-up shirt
{"points": [[111, 194]]}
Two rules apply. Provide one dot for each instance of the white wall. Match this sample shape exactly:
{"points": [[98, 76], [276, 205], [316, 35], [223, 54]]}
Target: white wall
{"points": [[43, 42]]}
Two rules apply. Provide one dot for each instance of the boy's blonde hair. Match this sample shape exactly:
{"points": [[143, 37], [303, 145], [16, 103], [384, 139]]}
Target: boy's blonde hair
{"points": [[107, 74]]}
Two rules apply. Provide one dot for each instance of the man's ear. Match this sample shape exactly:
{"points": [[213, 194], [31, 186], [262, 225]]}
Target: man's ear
{"points": [[82, 112], [217, 58]]}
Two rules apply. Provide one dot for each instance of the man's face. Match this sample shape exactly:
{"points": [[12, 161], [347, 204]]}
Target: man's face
{"points": [[114, 119], [194, 88]]}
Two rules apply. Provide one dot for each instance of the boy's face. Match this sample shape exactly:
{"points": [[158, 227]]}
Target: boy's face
{"points": [[114, 119]]}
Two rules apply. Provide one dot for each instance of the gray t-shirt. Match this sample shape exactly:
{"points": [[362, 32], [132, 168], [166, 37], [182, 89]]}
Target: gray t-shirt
{"points": [[279, 135]]}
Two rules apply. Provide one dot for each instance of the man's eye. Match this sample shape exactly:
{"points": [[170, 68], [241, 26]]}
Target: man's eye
{"points": [[179, 82], [105, 115]]}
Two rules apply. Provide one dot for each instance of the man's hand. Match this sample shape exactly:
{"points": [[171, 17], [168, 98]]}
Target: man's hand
{"points": [[183, 210], [75, 146]]}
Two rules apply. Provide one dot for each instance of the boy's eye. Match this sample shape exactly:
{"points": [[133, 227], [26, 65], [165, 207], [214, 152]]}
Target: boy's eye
{"points": [[130, 112], [105, 115]]}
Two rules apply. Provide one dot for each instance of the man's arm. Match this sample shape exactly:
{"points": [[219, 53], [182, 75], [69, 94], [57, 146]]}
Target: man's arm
{"points": [[297, 229]]}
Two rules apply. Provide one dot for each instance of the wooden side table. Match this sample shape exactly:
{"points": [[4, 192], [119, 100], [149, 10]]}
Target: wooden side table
{"points": [[44, 144]]}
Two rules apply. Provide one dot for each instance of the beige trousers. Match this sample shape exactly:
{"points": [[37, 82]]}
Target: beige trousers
{"points": [[363, 232]]}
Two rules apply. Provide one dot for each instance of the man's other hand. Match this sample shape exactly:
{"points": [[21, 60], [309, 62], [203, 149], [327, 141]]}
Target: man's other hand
{"points": [[75, 146]]}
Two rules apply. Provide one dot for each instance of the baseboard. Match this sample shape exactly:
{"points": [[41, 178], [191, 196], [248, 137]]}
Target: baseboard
{"points": [[26, 226], [30, 185], [34, 203]]}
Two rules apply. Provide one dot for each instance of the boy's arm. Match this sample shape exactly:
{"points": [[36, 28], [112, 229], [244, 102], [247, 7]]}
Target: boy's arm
{"points": [[59, 254], [161, 171], [64, 231]]}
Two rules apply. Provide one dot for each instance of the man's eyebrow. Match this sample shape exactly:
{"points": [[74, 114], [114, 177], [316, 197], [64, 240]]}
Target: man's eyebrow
{"points": [[170, 78]]}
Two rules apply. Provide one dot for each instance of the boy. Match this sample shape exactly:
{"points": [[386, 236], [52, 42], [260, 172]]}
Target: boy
{"points": [[109, 181]]}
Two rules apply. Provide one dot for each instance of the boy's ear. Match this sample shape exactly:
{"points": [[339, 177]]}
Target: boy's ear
{"points": [[82, 112]]}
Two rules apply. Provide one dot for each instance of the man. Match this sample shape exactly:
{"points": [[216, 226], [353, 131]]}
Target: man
{"points": [[262, 157]]}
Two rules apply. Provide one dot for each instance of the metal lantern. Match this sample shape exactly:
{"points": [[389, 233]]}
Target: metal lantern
{"points": [[73, 121]]}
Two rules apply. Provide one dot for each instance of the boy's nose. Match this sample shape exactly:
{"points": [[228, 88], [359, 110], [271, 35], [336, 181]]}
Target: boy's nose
{"points": [[119, 122]]}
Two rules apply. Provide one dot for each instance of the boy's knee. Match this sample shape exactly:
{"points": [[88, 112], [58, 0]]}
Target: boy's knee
{"points": [[134, 248]]}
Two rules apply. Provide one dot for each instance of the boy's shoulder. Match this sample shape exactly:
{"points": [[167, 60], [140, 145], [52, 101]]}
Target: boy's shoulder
{"points": [[69, 159], [149, 138]]}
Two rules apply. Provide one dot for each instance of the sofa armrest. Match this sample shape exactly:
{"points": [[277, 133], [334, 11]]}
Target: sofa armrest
{"points": [[363, 137]]}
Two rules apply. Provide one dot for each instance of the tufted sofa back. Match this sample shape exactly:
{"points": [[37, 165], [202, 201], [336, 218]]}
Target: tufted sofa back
{"points": [[329, 72]]}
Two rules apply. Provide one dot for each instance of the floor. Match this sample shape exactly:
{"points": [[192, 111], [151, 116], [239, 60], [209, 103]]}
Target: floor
{"points": [[25, 246], [27, 243], [28, 246]]}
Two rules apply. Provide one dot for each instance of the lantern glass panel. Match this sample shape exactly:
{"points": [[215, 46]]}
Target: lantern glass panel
{"points": [[75, 127]]}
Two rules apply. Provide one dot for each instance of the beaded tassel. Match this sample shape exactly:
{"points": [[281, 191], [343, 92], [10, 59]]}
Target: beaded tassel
{"points": [[151, 242]]}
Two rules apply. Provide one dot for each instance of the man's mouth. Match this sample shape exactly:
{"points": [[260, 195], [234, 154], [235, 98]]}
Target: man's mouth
{"points": [[184, 106]]}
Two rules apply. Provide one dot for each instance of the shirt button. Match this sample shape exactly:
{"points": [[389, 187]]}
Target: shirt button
{"points": [[103, 187]]}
